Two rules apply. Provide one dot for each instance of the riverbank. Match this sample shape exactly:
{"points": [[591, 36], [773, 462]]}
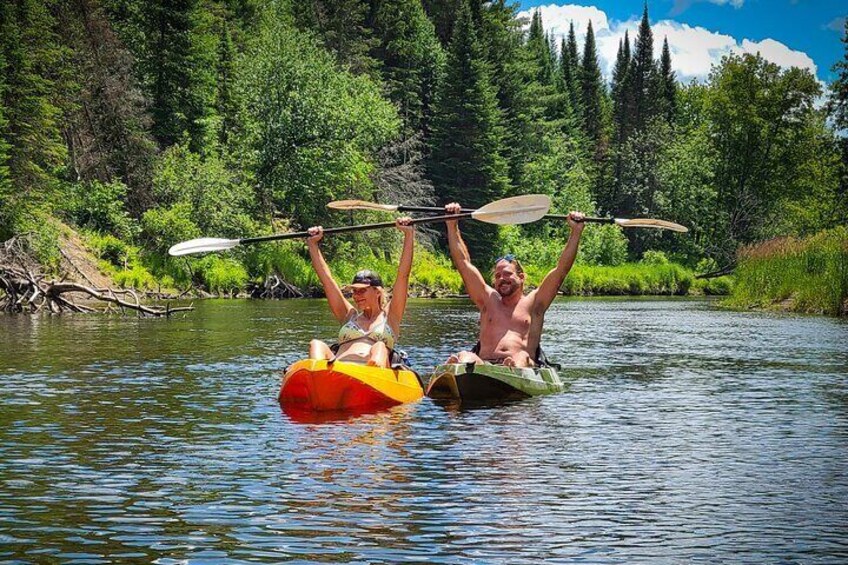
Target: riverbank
{"points": [[805, 275]]}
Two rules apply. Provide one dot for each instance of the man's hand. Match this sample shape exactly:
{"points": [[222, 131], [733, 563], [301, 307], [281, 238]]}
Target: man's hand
{"points": [[452, 208], [316, 234], [576, 223]]}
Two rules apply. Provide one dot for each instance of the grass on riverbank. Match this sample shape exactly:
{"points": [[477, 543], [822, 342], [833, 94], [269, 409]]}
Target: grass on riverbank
{"points": [[432, 274], [807, 275]]}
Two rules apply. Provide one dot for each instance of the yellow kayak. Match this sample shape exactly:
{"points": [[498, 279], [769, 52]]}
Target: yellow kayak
{"points": [[318, 385]]}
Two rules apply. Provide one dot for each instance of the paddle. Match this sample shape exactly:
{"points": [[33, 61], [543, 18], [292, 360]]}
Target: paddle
{"points": [[634, 223], [515, 210]]}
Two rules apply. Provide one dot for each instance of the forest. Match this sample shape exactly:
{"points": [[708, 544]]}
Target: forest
{"points": [[138, 124]]}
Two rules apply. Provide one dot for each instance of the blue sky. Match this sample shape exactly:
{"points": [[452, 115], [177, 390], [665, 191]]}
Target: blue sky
{"points": [[803, 33]]}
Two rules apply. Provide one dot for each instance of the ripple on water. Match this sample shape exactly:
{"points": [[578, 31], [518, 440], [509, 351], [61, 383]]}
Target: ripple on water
{"points": [[687, 434]]}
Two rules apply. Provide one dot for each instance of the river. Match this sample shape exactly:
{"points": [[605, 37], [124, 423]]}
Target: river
{"points": [[687, 434]]}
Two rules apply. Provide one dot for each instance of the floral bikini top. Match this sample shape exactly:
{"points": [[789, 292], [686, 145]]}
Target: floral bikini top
{"points": [[351, 331]]}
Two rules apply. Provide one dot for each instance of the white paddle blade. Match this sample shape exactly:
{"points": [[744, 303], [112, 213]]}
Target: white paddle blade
{"points": [[649, 223], [202, 245], [360, 205], [515, 210]]}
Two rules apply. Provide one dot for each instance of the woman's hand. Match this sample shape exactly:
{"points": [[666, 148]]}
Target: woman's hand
{"points": [[403, 225], [316, 234], [576, 223]]}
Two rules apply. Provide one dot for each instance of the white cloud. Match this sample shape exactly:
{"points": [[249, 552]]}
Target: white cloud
{"points": [[693, 49]]}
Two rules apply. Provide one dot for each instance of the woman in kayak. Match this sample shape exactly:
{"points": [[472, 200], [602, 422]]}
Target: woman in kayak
{"points": [[371, 325]]}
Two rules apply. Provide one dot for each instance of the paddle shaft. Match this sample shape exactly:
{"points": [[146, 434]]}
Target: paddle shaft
{"points": [[363, 227], [468, 210]]}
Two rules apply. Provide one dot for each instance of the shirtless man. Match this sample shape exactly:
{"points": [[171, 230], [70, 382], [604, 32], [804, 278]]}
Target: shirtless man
{"points": [[510, 321]]}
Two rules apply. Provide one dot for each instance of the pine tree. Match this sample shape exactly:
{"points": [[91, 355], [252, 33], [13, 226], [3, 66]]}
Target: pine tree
{"points": [[107, 130], [466, 163], [540, 52], [342, 26], [571, 60], [643, 86], [443, 14], [667, 86], [412, 60], [226, 105], [838, 109], [33, 141], [177, 63], [592, 91], [620, 88], [511, 73], [838, 103], [5, 180]]}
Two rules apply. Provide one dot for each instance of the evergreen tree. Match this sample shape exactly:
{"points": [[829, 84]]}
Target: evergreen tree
{"points": [[540, 52], [838, 110], [32, 137], [667, 86], [592, 92], [226, 105], [620, 89], [838, 103], [106, 131], [466, 163], [442, 13], [643, 88], [177, 63], [573, 60], [5, 180], [548, 101], [511, 73], [412, 60], [342, 26]]}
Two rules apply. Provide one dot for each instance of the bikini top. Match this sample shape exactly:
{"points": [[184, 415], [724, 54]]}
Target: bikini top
{"points": [[351, 331]]}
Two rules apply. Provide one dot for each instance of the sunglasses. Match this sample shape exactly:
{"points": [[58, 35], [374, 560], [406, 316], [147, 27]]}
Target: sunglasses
{"points": [[509, 258]]}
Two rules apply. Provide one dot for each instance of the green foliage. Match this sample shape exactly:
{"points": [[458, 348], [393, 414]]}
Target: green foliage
{"points": [[109, 248], [802, 275], [285, 258], [32, 141], [412, 59], [467, 163], [137, 277], [310, 129], [603, 245], [759, 120], [651, 257], [630, 278], [219, 201], [99, 206], [164, 227], [223, 275]]}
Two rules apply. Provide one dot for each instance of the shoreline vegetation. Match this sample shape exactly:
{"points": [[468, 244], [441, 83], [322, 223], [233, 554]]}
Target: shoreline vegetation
{"points": [[127, 127], [805, 275]]}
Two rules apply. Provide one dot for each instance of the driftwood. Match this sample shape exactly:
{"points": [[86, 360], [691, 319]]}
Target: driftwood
{"points": [[275, 287], [24, 288]]}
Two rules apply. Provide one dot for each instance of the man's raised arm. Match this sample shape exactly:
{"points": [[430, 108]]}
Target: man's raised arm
{"points": [[475, 284], [552, 282]]}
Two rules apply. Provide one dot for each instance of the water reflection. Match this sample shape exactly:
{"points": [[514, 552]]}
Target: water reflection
{"points": [[688, 434]]}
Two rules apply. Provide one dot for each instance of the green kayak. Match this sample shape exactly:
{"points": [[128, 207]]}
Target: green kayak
{"points": [[470, 382]]}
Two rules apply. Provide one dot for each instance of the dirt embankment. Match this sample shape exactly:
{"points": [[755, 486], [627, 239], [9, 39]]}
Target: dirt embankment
{"points": [[78, 263]]}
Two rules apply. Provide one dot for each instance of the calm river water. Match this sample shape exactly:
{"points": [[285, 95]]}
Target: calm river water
{"points": [[688, 434]]}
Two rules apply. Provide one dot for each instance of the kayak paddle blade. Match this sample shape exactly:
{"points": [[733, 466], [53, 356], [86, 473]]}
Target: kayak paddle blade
{"points": [[202, 245], [516, 210], [649, 223]]}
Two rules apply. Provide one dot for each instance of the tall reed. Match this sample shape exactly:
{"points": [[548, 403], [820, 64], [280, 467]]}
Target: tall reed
{"points": [[801, 275]]}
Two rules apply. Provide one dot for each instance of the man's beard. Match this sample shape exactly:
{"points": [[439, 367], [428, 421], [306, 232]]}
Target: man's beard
{"points": [[508, 289]]}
